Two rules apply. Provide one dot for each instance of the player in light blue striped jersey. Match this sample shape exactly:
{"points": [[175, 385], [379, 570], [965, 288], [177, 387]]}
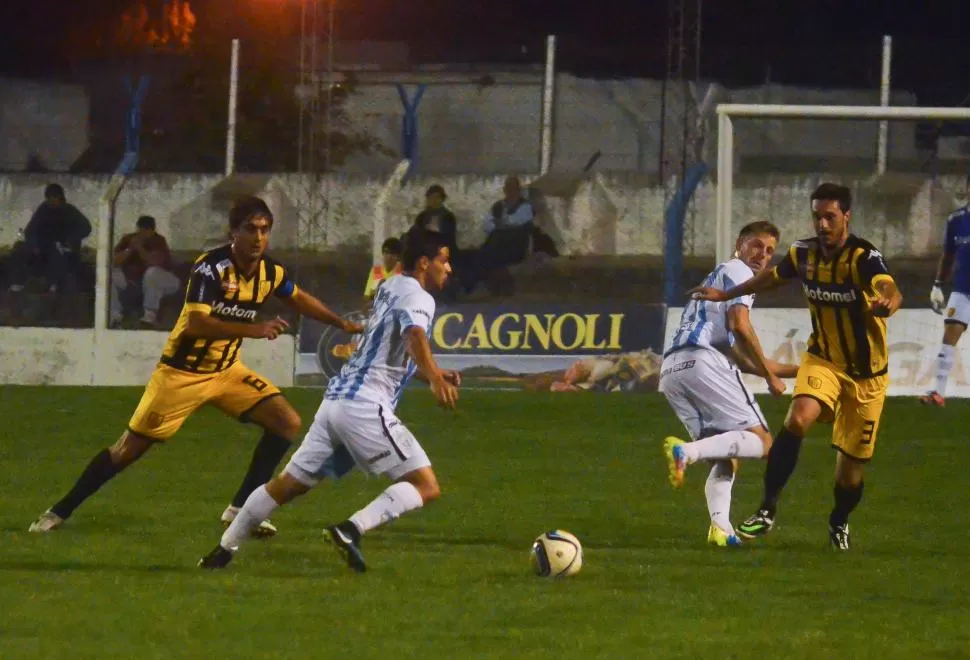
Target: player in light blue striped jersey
{"points": [[357, 416], [701, 379]]}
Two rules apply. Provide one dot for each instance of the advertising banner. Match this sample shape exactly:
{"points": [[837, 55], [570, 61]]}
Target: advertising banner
{"points": [[531, 346], [914, 341]]}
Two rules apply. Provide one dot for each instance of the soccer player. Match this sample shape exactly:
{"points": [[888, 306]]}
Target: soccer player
{"points": [[955, 261], [357, 413], [702, 382], [200, 363], [842, 377]]}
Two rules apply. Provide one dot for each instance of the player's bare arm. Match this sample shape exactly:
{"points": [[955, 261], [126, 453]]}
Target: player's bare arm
{"points": [[888, 298], [783, 369], [205, 326], [944, 269], [420, 350], [763, 281], [739, 322], [780, 369], [309, 306]]}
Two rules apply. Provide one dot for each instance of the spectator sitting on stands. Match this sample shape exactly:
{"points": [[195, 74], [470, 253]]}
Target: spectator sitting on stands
{"points": [[142, 263], [509, 225], [437, 218], [51, 242]]}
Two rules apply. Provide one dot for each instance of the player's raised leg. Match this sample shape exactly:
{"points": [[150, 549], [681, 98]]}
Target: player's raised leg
{"points": [[412, 491], [381, 444]]}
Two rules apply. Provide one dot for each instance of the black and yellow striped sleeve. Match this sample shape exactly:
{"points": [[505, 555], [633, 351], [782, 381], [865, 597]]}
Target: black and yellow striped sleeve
{"points": [[285, 286], [204, 288], [873, 268], [788, 267]]}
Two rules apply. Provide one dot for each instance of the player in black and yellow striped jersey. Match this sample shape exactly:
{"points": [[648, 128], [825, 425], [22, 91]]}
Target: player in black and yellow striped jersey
{"points": [[843, 375], [200, 363]]}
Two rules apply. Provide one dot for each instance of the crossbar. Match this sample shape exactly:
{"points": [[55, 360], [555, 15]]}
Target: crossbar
{"points": [[865, 112]]}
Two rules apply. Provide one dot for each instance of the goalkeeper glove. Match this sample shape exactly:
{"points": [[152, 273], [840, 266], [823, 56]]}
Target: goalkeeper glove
{"points": [[936, 298]]}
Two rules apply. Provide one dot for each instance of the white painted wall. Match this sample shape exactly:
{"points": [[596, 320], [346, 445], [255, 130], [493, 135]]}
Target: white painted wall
{"points": [[54, 356], [611, 214], [467, 127]]}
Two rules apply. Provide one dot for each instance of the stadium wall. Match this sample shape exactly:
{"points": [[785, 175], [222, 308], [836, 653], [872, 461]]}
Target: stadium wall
{"points": [[52, 356], [43, 126], [609, 213], [488, 122]]}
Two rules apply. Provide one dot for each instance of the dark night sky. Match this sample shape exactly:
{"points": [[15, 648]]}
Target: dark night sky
{"points": [[820, 42]]}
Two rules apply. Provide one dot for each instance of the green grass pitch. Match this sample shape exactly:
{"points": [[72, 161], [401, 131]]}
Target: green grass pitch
{"points": [[453, 581]]}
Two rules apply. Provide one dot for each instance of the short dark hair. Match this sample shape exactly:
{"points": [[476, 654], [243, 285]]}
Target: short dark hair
{"points": [[55, 191], [246, 208], [422, 244], [436, 188], [392, 245], [759, 227], [145, 222], [834, 192]]}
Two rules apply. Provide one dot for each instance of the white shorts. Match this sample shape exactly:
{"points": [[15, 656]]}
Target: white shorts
{"points": [[957, 309], [706, 391], [373, 436]]}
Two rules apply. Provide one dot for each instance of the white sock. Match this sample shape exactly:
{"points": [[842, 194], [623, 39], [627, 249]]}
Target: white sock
{"points": [[944, 362], [392, 503], [258, 507], [733, 444], [717, 489]]}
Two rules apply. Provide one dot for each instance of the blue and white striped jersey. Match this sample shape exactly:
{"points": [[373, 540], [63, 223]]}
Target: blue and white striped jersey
{"points": [[704, 324], [380, 368]]}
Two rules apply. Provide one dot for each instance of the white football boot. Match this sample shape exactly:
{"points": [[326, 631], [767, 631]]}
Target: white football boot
{"points": [[48, 521]]}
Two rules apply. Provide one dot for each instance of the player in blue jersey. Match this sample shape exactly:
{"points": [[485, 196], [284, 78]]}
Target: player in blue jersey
{"points": [[701, 379], [955, 261]]}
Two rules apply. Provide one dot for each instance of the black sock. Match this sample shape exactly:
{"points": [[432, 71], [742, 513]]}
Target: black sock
{"points": [[846, 500], [267, 455], [98, 472], [350, 529], [781, 463]]}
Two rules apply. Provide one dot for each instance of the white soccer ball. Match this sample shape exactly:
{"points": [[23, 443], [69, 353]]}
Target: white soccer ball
{"points": [[556, 554]]}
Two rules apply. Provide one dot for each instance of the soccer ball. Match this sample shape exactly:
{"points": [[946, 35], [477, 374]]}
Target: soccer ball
{"points": [[556, 554]]}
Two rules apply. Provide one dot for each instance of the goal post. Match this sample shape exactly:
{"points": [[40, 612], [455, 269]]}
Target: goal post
{"points": [[727, 112]]}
